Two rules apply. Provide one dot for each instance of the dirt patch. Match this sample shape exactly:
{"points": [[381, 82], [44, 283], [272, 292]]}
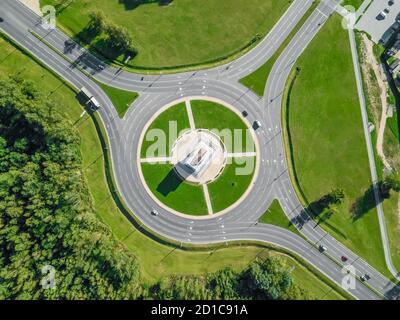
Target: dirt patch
{"points": [[377, 88], [370, 82]]}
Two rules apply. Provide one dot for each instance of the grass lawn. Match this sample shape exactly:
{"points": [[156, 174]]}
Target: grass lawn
{"points": [[275, 216], [186, 32], [175, 114], [320, 291], [393, 127], [355, 3], [392, 216], [156, 260], [121, 99], [391, 206], [327, 139], [224, 122], [172, 191], [257, 80], [231, 185]]}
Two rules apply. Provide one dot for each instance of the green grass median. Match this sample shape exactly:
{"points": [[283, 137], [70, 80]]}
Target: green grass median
{"points": [[327, 144]]}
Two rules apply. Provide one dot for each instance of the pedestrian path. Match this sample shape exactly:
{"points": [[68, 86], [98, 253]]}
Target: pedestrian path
{"points": [[207, 198], [190, 114]]}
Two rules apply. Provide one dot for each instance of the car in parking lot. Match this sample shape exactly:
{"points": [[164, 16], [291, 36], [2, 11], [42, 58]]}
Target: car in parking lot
{"points": [[382, 15]]}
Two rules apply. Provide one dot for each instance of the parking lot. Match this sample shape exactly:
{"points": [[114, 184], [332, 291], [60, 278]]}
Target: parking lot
{"points": [[377, 24]]}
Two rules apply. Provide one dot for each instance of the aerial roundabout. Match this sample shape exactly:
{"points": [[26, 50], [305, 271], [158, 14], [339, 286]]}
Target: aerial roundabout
{"points": [[198, 157], [140, 160]]}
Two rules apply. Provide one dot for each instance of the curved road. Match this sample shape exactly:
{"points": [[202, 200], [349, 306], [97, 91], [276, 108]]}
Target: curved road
{"points": [[74, 63]]}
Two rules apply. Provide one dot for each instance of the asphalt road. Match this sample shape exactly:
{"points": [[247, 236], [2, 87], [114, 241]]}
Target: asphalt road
{"points": [[69, 61]]}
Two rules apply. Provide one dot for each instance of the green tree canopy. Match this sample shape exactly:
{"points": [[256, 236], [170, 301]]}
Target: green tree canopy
{"points": [[46, 214]]}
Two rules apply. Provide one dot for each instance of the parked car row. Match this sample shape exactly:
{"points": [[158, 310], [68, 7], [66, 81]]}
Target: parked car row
{"points": [[382, 15]]}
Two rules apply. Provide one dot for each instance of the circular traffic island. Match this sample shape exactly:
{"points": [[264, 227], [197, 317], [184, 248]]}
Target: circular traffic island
{"points": [[198, 158]]}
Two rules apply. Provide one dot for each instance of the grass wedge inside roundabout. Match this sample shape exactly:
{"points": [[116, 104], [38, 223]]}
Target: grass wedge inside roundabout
{"points": [[198, 157]]}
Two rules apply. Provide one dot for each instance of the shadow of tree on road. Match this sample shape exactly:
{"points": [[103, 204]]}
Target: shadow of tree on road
{"points": [[319, 211], [394, 293]]}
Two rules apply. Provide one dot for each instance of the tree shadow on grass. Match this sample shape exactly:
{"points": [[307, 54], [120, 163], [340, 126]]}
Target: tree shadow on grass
{"points": [[87, 34], [367, 201], [111, 53], [99, 45], [133, 4], [322, 209]]}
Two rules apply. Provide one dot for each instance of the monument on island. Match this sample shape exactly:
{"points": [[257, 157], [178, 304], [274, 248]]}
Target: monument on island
{"points": [[198, 156]]}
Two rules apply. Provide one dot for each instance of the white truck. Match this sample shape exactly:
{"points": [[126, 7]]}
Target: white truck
{"points": [[94, 104]]}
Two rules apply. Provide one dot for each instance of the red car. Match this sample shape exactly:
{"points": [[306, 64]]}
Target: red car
{"points": [[344, 259]]}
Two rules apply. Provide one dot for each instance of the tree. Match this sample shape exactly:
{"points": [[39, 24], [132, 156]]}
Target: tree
{"points": [[97, 22], [46, 213], [224, 284], [263, 279], [336, 196], [119, 38], [266, 280], [392, 181]]}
